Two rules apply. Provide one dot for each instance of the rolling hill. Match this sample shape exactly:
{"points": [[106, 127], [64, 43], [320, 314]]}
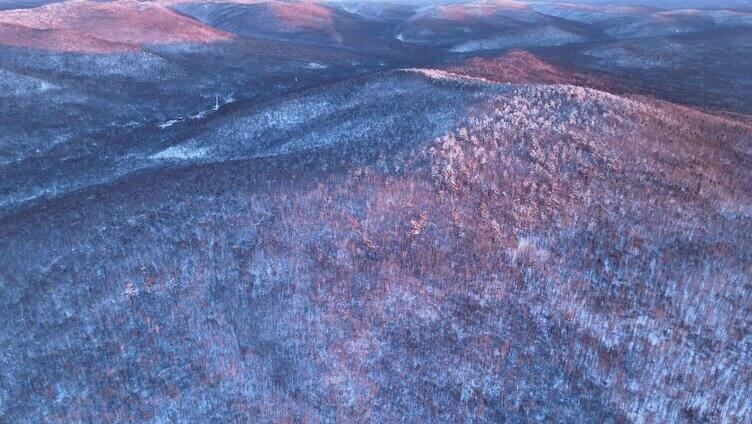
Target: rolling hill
{"points": [[471, 262], [100, 27]]}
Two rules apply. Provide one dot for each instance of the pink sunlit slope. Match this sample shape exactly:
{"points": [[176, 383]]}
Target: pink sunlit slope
{"points": [[90, 27]]}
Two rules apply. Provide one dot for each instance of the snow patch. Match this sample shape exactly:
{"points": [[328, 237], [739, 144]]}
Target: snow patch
{"points": [[439, 75], [169, 123], [181, 152], [315, 65], [218, 103]]}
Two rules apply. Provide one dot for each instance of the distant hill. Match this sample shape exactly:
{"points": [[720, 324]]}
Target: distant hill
{"points": [[101, 27]]}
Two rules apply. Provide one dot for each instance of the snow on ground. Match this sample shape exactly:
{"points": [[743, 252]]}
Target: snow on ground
{"points": [[218, 103], [181, 152], [315, 65], [588, 13], [14, 84], [620, 56], [542, 36]]}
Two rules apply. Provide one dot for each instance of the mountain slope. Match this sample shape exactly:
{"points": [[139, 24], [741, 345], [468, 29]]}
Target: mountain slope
{"points": [[362, 115], [522, 67], [93, 27], [367, 114], [300, 22], [543, 257], [265, 20]]}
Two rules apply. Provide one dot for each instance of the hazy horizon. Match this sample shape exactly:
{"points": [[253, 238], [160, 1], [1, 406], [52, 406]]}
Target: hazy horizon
{"points": [[665, 4]]}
